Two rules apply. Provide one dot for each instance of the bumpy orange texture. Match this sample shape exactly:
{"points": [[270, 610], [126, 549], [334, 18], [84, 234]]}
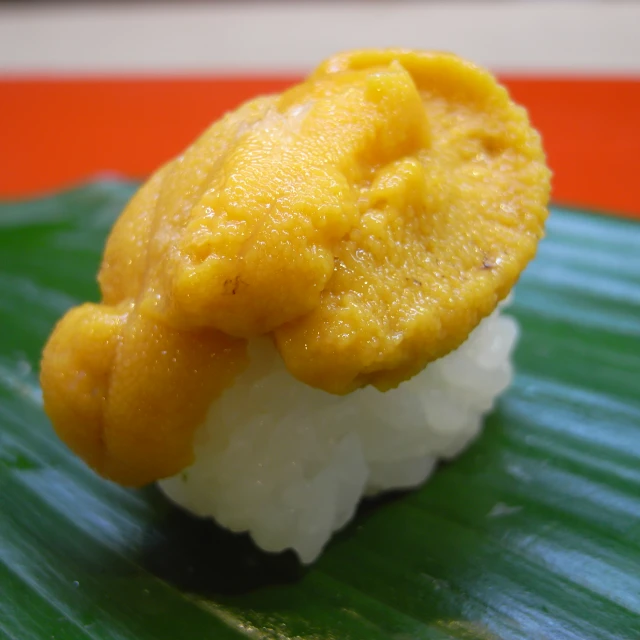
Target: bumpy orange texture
{"points": [[366, 219]]}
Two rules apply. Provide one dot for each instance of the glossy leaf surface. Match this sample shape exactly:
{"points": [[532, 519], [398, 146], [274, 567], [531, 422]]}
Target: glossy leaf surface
{"points": [[533, 533]]}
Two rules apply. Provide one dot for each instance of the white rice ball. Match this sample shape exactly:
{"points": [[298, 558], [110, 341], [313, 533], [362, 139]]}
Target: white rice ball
{"points": [[289, 463]]}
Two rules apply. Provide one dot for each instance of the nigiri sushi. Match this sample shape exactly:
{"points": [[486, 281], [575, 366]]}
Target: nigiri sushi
{"points": [[305, 307]]}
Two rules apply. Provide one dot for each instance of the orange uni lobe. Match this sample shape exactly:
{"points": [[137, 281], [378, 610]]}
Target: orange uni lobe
{"points": [[366, 220]]}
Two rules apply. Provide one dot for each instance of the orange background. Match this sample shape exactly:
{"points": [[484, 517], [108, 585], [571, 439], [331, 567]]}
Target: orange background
{"points": [[58, 132]]}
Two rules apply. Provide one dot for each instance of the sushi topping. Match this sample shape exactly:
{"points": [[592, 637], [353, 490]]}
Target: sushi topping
{"points": [[350, 219]]}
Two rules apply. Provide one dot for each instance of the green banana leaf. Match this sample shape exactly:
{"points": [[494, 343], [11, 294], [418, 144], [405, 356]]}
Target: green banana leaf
{"points": [[533, 533]]}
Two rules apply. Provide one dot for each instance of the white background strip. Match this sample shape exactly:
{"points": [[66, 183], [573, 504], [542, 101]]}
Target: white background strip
{"points": [[576, 37]]}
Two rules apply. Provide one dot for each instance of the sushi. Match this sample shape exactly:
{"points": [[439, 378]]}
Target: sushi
{"points": [[305, 307]]}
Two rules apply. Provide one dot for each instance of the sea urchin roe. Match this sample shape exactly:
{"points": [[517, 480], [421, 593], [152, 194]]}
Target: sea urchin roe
{"points": [[367, 219]]}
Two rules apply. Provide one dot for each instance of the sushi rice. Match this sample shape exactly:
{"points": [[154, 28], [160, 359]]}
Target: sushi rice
{"points": [[289, 463]]}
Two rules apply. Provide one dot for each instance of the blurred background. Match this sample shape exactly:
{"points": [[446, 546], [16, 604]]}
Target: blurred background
{"points": [[94, 89]]}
